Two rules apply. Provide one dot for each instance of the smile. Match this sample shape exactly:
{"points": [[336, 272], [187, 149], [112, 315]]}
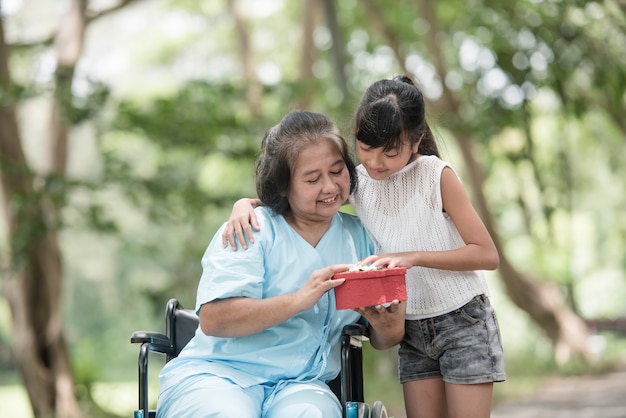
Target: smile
{"points": [[329, 200]]}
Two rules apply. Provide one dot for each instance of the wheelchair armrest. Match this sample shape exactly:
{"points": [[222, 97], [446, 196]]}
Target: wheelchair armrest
{"points": [[158, 342], [356, 329], [150, 341], [352, 361], [357, 332]]}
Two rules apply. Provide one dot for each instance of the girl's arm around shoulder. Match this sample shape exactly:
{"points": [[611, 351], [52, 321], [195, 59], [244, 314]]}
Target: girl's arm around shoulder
{"points": [[240, 224]]}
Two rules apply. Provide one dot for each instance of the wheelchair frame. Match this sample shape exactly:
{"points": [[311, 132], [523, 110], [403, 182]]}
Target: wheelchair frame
{"points": [[181, 324]]}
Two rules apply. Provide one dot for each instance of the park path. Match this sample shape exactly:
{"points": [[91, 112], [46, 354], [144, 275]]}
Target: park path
{"points": [[601, 396]]}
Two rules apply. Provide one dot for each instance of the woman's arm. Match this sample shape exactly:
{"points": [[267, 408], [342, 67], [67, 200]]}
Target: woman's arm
{"points": [[241, 221], [240, 316]]}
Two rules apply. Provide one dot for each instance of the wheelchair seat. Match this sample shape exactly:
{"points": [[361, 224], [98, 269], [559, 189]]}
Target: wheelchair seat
{"points": [[181, 325]]}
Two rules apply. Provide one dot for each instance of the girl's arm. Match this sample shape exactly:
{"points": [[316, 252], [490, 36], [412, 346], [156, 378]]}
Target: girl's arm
{"points": [[479, 252], [241, 221]]}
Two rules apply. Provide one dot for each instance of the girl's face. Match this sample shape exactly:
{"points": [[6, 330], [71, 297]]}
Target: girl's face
{"points": [[379, 164], [320, 182]]}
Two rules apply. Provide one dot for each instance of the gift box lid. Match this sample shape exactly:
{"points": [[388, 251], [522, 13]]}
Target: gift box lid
{"points": [[364, 274]]}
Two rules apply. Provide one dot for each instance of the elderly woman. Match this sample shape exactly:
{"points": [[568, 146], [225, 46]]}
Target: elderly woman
{"points": [[268, 338]]}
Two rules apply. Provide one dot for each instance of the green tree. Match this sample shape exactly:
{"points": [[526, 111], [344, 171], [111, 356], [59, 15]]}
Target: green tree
{"points": [[33, 268], [490, 62], [530, 95]]}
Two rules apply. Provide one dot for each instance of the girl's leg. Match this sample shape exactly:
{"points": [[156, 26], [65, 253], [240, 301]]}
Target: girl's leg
{"points": [[469, 401], [464, 347], [425, 398], [472, 358], [420, 375]]}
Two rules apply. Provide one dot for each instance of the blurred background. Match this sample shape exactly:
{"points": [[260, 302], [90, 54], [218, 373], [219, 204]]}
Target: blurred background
{"points": [[129, 127]]}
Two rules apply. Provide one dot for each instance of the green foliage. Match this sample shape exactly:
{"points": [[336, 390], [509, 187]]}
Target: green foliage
{"points": [[86, 107], [172, 169], [200, 116], [541, 87]]}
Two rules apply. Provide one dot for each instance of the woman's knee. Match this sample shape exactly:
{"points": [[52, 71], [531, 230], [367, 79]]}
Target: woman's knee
{"points": [[208, 397], [305, 401]]}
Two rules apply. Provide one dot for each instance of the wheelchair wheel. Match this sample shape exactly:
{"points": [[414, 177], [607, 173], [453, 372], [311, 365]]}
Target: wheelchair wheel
{"points": [[364, 410], [379, 410]]}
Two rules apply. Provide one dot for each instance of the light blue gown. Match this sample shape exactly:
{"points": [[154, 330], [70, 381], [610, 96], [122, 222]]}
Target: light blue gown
{"points": [[296, 357]]}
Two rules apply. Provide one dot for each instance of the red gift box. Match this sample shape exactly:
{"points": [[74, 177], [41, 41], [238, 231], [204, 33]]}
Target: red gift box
{"points": [[370, 287]]}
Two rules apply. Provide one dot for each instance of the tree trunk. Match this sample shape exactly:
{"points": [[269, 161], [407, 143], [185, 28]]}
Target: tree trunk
{"points": [[33, 266], [375, 14], [33, 284], [254, 93], [337, 46], [309, 12]]}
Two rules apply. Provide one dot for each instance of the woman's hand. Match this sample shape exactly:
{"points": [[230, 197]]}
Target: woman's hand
{"points": [[319, 283], [241, 221]]}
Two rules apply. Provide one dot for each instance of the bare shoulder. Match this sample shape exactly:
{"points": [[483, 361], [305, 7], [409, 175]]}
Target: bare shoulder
{"points": [[452, 191]]}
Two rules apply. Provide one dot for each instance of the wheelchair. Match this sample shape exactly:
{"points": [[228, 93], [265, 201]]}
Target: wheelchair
{"points": [[181, 325]]}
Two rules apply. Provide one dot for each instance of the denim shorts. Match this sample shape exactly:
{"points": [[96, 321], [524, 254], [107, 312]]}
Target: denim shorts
{"points": [[463, 346]]}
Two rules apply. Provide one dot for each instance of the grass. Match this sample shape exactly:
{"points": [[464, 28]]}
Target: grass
{"points": [[112, 399], [120, 398], [14, 401]]}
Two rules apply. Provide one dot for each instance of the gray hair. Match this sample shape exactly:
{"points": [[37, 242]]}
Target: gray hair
{"points": [[280, 148]]}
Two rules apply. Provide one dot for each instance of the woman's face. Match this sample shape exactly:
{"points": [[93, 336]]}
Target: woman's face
{"points": [[320, 182]]}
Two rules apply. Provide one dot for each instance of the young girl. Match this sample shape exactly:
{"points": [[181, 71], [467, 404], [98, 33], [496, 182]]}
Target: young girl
{"points": [[417, 212]]}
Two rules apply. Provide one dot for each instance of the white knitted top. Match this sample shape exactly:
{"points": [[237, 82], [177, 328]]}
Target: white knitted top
{"points": [[404, 212]]}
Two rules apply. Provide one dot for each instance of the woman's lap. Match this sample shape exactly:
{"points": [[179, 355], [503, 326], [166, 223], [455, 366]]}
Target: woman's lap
{"points": [[205, 396], [211, 396]]}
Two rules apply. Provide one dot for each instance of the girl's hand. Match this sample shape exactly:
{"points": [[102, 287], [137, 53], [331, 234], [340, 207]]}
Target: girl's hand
{"points": [[242, 220], [368, 260], [406, 259], [390, 260], [386, 324]]}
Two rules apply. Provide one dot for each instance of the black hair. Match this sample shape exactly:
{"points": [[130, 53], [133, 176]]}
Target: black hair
{"points": [[392, 111], [280, 148]]}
